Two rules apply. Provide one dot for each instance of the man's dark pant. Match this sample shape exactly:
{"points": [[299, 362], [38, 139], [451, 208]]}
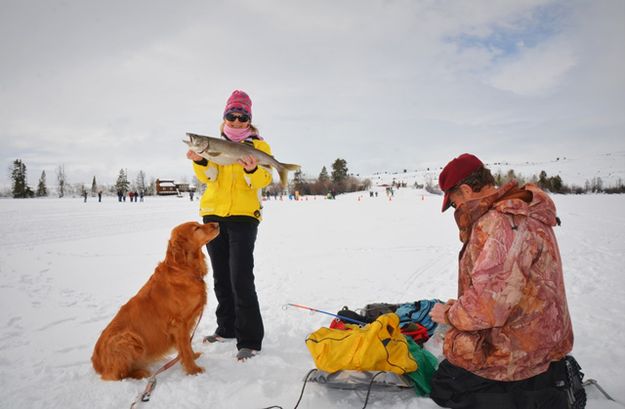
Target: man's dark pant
{"points": [[455, 387], [232, 260]]}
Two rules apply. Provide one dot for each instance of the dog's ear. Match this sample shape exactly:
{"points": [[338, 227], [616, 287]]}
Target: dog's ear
{"points": [[177, 248], [181, 248], [171, 251]]}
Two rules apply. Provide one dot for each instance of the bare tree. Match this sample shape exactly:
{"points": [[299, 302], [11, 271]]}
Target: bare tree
{"points": [[140, 182], [61, 180], [151, 188]]}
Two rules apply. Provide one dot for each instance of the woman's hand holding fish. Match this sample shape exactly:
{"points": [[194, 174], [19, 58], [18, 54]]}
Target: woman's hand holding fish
{"points": [[193, 156], [249, 163]]}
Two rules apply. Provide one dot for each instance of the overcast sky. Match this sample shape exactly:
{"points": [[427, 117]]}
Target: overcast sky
{"points": [[98, 86]]}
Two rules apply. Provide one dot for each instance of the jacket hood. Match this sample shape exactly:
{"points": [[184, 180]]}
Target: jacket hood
{"points": [[529, 201], [537, 205]]}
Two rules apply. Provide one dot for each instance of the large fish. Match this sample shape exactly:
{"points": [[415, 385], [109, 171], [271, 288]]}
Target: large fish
{"points": [[225, 152]]}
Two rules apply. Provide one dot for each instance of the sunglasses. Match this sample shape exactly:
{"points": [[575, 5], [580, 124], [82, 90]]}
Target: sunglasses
{"points": [[232, 117], [452, 190]]}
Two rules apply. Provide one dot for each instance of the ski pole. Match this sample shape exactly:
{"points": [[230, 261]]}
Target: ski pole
{"points": [[594, 382], [327, 313]]}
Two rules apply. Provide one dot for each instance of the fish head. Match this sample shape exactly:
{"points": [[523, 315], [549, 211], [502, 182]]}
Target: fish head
{"points": [[196, 143]]}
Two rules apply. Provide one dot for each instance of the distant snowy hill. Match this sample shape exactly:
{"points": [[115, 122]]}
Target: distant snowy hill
{"points": [[610, 167]]}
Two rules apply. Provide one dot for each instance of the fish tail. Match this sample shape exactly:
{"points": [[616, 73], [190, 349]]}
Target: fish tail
{"points": [[291, 167], [284, 177], [284, 170]]}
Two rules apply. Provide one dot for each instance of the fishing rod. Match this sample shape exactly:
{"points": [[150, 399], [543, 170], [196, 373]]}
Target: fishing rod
{"points": [[420, 332], [326, 313]]}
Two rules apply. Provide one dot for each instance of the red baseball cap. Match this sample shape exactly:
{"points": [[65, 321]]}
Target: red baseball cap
{"points": [[456, 170]]}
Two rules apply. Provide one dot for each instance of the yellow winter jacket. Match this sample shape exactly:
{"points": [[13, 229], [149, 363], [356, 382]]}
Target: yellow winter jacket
{"points": [[230, 191]]}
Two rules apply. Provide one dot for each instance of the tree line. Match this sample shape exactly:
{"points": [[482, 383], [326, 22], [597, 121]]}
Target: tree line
{"points": [[336, 182], [21, 189], [555, 184]]}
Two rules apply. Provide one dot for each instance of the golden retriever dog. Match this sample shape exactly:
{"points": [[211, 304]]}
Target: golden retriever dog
{"points": [[162, 315]]}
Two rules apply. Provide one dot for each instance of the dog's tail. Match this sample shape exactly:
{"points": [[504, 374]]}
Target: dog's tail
{"points": [[117, 356]]}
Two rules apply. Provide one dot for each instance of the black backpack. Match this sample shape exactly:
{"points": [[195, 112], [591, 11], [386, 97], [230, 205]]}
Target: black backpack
{"points": [[573, 384]]}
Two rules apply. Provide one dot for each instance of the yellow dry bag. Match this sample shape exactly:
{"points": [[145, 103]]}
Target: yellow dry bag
{"points": [[378, 346]]}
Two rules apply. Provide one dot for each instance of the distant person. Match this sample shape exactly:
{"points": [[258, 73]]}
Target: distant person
{"points": [[191, 195], [131, 195], [141, 194], [136, 196], [509, 330], [100, 196], [231, 198], [84, 194]]}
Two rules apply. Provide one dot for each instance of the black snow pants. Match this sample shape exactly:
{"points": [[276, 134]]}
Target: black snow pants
{"points": [[557, 388], [232, 259]]}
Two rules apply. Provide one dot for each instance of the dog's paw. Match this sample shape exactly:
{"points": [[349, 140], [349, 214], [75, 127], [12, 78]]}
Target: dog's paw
{"points": [[139, 373], [194, 370]]}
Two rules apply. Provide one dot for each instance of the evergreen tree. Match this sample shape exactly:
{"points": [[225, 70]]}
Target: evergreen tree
{"points": [[60, 177], [323, 176], [94, 187], [555, 184], [543, 183], [498, 178], [339, 176], [339, 170], [298, 182], [323, 181], [18, 175], [42, 190], [122, 183], [510, 175]]}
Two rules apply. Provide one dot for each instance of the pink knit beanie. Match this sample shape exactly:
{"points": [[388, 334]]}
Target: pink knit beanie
{"points": [[239, 101]]}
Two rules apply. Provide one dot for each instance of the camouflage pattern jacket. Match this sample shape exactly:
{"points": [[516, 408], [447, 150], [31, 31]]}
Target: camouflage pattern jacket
{"points": [[511, 317]]}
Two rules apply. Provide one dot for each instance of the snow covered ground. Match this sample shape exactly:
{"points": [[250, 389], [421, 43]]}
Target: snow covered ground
{"points": [[67, 266]]}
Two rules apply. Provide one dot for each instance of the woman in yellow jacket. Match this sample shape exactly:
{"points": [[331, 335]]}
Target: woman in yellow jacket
{"points": [[232, 199]]}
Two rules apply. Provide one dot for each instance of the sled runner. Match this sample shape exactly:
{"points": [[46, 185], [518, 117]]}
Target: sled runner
{"points": [[361, 380]]}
